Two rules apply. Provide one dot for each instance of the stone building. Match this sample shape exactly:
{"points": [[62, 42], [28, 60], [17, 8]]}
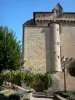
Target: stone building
{"points": [[47, 38]]}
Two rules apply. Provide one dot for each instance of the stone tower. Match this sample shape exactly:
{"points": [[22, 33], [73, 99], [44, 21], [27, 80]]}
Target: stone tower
{"points": [[55, 46], [47, 38]]}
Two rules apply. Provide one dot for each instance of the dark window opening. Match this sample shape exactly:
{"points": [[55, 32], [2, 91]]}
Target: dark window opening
{"points": [[37, 20], [60, 50], [43, 20], [60, 29], [43, 14], [57, 43], [57, 29], [58, 56], [54, 52], [58, 13]]}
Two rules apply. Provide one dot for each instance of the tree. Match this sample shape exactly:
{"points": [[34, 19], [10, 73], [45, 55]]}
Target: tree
{"points": [[71, 68], [10, 50]]}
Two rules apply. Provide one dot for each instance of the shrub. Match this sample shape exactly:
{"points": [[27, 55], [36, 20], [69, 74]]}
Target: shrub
{"points": [[48, 79], [39, 82], [29, 78], [45, 91], [14, 97], [15, 77], [71, 68], [19, 78], [1, 80], [3, 97]]}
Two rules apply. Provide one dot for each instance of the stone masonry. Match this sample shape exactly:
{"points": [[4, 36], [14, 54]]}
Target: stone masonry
{"points": [[37, 39]]}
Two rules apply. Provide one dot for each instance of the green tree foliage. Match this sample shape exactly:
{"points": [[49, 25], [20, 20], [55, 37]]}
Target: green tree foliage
{"points": [[71, 68], [10, 50]]}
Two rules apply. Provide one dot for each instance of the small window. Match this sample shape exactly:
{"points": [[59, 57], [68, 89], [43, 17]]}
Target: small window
{"points": [[60, 29], [38, 21], [57, 29], [57, 43], [58, 56], [54, 52], [43, 14], [60, 50], [43, 20], [58, 13]]}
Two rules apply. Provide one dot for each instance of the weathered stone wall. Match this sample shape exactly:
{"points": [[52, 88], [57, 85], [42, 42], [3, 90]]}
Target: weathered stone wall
{"points": [[37, 50], [68, 40], [42, 16], [50, 16]]}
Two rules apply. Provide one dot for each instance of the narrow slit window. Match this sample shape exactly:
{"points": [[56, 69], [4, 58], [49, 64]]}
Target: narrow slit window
{"points": [[54, 52], [58, 56], [57, 43], [57, 29]]}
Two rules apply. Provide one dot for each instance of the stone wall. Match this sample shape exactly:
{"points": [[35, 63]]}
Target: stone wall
{"points": [[68, 40], [35, 48], [37, 51], [50, 16], [43, 16]]}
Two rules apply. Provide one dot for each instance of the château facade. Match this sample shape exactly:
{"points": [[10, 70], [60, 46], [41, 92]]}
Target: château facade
{"points": [[47, 38]]}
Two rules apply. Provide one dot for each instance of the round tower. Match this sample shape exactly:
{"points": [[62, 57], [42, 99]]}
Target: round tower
{"points": [[55, 46]]}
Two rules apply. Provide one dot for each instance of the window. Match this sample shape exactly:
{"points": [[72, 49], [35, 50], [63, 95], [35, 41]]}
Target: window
{"points": [[54, 52], [58, 13], [57, 43], [43, 14], [60, 50], [58, 56]]}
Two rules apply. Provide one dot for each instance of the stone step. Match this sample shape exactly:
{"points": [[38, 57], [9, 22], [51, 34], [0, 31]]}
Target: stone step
{"points": [[41, 95]]}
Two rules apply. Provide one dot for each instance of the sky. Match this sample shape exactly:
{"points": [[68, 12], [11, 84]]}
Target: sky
{"points": [[13, 13]]}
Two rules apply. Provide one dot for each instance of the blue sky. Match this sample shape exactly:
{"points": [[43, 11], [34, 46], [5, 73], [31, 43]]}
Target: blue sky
{"points": [[13, 13]]}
